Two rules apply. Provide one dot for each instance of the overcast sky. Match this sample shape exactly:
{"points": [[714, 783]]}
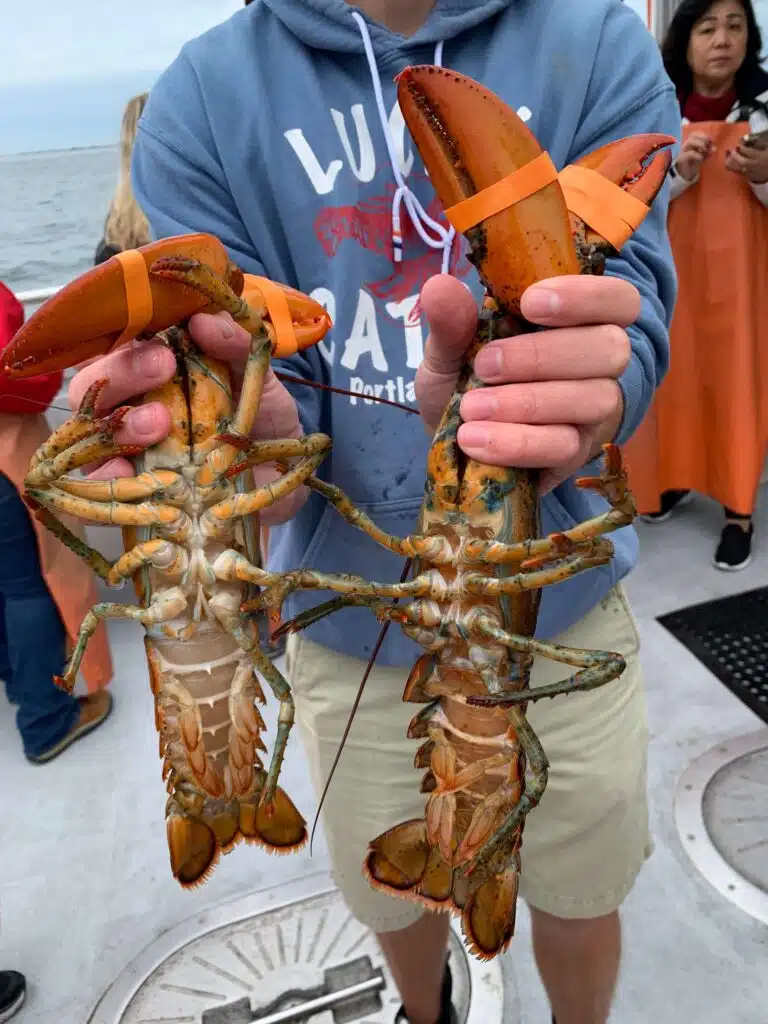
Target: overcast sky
{"points": [[51, 40], [67, 67]]}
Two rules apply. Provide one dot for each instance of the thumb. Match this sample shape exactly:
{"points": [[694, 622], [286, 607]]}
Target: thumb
{"points": [[278, 415], [451, 312]]}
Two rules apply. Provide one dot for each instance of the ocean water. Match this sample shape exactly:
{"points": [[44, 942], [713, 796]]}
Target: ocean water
{"points": [[52, 211]]}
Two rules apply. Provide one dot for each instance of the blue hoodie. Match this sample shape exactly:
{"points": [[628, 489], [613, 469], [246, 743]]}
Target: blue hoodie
{"points": [[266, 132]]}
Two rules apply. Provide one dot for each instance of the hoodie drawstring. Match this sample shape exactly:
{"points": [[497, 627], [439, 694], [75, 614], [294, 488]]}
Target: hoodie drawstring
{"points": [[442, 237]]}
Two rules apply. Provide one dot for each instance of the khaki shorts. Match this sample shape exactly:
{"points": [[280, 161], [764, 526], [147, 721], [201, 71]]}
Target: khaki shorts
{"points": [[585, 843]]}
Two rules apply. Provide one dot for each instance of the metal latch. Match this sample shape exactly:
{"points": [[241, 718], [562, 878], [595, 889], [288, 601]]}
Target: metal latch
{"points": [[351, 991]]}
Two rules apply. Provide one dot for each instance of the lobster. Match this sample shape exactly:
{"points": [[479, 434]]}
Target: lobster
{"points": [[185, 516], [479, 559]]}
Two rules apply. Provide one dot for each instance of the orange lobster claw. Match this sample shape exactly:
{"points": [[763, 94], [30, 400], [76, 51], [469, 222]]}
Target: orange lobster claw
{"points": [[122, 298], [470, 140], [637, 166], [502, 191]]}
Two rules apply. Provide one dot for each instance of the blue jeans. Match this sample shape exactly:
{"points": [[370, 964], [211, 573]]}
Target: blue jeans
{"points": [[32, 635]]}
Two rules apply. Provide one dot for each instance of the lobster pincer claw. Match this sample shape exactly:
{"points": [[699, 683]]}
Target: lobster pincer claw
{"points": [[478, 153], [140, 292], [524, 222], [610, 190]]}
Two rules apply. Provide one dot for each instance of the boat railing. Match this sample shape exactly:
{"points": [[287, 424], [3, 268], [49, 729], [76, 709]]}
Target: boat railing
{"points": [[35, 296]]}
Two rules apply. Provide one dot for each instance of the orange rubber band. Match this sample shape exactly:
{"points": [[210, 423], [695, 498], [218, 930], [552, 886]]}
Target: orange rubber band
{"points": [[513, 188], [286, 343], [603, 205], [138, 293]]}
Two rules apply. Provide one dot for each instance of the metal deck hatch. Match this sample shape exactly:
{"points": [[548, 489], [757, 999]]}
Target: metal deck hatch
{"points": [[720, 808], [288, 955]]}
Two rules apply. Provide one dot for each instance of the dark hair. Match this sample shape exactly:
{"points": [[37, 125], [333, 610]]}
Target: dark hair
{"points": [[674, 49]]}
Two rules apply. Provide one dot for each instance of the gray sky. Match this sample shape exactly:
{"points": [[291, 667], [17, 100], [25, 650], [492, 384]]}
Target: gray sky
{"points": [[51, 40], [67, 67]]}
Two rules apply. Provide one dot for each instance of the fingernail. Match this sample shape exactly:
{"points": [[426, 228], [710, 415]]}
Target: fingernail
{"points": [[541, 302], [148, 363], [142, 420], [473, 436], [488, 363], [227, 327], [480, 404]]}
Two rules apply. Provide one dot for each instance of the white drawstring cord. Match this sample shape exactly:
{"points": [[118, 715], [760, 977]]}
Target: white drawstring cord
{"points": [[403, 194]]}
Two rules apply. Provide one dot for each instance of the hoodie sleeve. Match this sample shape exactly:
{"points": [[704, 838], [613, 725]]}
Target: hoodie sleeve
{"points": [[181, 186], [631, 96]]}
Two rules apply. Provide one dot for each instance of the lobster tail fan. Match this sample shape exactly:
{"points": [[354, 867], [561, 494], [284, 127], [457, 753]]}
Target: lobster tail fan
{"points": [[277, 829], [194, 850], [401, 862]]}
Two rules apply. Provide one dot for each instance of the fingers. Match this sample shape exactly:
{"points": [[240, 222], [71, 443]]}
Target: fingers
{"points": [[576, 301], [219, 336], [278, 415], [699, 144], [142, 366], [519, 444], [734, 161], [451, 312], [129, 371], [571, 353], [583, 403], [112, 470]]}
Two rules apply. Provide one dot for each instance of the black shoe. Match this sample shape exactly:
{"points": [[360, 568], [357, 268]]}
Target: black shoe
{"points": [[13, 988], [448, 1013], [670, 500], [734, 551]]}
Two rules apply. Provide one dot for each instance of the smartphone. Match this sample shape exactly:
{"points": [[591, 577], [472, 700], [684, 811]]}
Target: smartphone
{"points": [[756, 140]]}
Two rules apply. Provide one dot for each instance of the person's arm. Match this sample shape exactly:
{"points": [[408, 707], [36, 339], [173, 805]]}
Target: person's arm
{"points": [[628, 97]]}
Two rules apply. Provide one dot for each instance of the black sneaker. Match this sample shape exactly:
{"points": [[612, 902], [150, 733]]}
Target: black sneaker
{"points": [[734, 551], [670, 500], [448, 1013], [13, 989]]}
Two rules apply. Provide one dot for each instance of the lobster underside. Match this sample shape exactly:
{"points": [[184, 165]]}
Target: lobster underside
{"points": [[479, 563], [190, 527]]}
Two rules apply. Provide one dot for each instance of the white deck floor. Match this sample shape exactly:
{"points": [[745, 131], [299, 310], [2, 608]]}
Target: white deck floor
{"points": [[84, 878]]}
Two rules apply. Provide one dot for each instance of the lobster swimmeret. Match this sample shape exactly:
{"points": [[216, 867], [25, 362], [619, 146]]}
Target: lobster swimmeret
{"points": [[479, 561], [185, 516]]}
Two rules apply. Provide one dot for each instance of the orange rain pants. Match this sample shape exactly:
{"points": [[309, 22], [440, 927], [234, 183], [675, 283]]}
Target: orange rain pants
{"points": [[707, 429]]}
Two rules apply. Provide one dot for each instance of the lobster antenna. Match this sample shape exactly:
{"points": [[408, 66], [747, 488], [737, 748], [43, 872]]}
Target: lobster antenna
{"points": [[353, 712], [280, 376], [342, 391]]}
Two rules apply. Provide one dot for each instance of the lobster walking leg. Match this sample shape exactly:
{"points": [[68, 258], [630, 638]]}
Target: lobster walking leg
{"points": [[164, 608], [596, 668]]}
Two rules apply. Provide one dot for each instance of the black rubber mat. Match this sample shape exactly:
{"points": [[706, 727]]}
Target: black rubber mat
{"points": [[730, 637]]}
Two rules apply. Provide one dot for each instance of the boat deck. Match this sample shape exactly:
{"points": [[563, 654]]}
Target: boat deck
{"points": [[86, 885]]}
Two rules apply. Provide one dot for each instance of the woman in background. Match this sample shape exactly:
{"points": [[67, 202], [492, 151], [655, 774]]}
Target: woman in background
{"points": [[707, 429], [126, 226], [45, 589]]}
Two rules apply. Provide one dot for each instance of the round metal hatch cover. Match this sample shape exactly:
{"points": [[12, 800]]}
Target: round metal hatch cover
{"points": [[286, 956], [723, 822]]}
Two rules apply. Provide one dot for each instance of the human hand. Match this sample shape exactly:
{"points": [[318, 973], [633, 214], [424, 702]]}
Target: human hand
{"points": [[748, 161], [553, 397], [693, 152], [134, 370]]}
